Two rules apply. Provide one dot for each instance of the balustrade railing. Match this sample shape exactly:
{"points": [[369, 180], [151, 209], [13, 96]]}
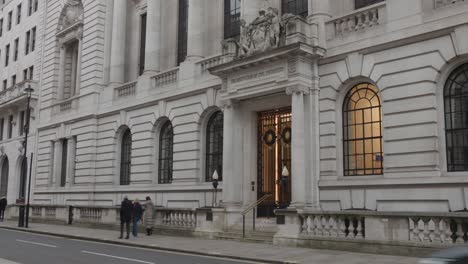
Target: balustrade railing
{"points": [[179, 218], [442, 3], [128, 89], [330, 225], [90, 214], [438, 230], [36, 211], [50, 212], [165, 78], [214, 61], [360, 19], [16, 91], [65, 106]]}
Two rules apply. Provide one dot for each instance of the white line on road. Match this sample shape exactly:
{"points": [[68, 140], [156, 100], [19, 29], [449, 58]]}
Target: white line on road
{"points": [[36, 243], [110, 256]]}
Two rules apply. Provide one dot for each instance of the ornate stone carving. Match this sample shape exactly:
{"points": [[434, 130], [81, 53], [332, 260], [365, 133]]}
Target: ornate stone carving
{"points": [[267, 31], [72, 12]]}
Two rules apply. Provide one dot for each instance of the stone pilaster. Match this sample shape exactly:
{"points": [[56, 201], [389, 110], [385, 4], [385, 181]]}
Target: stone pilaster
{"points": [[71, 148], [119, 32], [195, 30], [58, 148], [153, 37]]}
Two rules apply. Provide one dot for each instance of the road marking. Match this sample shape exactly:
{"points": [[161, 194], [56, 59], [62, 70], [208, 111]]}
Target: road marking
{"points": [[111, 256], [36, 243]]}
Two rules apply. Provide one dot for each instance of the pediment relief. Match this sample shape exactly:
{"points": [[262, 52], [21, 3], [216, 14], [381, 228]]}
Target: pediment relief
{"points": [[72, 13]]}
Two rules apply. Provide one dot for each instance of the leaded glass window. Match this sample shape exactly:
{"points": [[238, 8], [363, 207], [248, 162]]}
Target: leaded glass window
{"points": [[362, 131], [214, 146], [456, 119], [166, 145], [126, 158], [232, 18], [295, 7]]}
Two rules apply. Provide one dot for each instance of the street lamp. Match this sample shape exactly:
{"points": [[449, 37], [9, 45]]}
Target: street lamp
{"points": [[284, 182], [215, 186], [28, 90]]}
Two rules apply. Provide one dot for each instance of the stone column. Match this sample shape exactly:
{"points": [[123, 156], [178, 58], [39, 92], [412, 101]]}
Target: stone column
{"points": [[71, 148], [319, 12], [298, 153], [58, 148], [231, 192], [153, 37], [119, 33], [195, 30]]}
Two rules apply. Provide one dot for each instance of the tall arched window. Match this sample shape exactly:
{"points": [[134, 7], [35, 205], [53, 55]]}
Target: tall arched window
{"points": [[214, 146], [362, 131], [4, 178], [126, 158], [456, 119], [166, 145]]}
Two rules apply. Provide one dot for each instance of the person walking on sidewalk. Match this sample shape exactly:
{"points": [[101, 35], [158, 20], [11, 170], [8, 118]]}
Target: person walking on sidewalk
{"points": [[149, 216], [137, 213], [3, 204], [125, 216]]}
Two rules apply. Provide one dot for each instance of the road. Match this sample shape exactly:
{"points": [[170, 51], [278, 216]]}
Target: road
{"points": [[28, 248]]}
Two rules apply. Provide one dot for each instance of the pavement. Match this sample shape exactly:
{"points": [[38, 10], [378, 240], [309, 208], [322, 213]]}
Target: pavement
{"points": [[234, 250]]}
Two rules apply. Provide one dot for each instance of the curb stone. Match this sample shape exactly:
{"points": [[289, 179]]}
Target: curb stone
{"points": [[110, 241]]}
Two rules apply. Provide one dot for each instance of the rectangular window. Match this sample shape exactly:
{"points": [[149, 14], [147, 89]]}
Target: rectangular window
{"points": [[26, 44], [182, 31], [36, 3], [2, 122], [1, 27], [295, 7], [232, 12], [13, 80], [25, 74], [363, 3], [31, 73], [5, 83], [33, 40], [7, 55], [63, 171], [21, 123], [10, 126], [18, 15], [10, 17], [30, 7], [15, 57], [142, 43]]}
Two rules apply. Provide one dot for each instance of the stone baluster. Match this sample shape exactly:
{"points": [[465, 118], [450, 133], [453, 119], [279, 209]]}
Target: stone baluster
{"points": [[460, 232], [341, 227]]}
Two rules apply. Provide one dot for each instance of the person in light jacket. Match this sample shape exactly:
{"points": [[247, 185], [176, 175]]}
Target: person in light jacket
{"points": [[149, 216]]}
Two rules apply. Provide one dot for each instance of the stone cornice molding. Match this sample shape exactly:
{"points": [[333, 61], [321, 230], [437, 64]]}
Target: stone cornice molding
{"points": [[229, 104]]}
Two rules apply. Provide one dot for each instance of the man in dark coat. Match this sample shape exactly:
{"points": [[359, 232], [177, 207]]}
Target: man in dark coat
{"points": [[126, 208], [3, 204]]}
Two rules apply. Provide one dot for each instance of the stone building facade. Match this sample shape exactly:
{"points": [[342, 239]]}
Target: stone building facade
{"points": [[343, 105]]}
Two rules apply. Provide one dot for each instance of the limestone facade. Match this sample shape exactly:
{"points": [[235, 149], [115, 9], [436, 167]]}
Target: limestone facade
{"points": [[406, 49]]}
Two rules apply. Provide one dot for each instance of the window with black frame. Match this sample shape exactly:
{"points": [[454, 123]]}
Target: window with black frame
{"points": [[362, 131], [363, 3], [456, 119], [232, 14], [182, 31], [126, 158], [295, 7], [166, 145], [214, 146]]}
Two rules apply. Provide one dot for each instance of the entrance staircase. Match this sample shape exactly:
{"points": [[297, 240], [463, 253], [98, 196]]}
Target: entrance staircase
{"points": [[265, 229]]}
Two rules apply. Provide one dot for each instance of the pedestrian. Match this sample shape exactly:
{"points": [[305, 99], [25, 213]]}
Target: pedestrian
{"points": [[126, 208], [149, 216], [137, 214], [3, 204]]}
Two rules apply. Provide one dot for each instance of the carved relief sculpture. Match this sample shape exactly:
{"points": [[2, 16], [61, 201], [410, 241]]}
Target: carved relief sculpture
{"points": [[71, 13]]}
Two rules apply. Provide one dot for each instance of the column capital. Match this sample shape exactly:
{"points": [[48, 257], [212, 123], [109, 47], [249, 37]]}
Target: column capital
{"points": [[229, 104], [297, 89]]}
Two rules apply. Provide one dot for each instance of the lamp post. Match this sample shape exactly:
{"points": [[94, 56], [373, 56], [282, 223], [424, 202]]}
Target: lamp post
{"points": [[28, 90], [284, 180], [215, 186]]}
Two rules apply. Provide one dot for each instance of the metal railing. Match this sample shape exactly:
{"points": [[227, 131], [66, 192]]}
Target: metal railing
{"points": [[252, 207]]}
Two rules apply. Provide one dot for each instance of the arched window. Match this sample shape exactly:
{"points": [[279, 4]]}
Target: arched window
{"points": [[362, 131], [166, 145], [4, 178], [214, 146], [456, 119], [126, 158]]}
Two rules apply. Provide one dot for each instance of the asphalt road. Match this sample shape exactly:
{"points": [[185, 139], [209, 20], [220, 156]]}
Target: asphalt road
{"points": [[27, 248]]}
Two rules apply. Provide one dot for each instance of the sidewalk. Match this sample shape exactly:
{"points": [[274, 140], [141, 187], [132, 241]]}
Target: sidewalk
{"points": [[232, 249]]}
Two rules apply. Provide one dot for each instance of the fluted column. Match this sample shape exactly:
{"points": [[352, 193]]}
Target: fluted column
{"points": [[153, 37], [119, 32], [195, 30], [298, 148]]}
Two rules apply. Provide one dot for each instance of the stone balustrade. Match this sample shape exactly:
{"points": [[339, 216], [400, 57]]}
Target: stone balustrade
{"points": [[64, 106], [166, 77], [361, 19], [177, 218], [91, 214], [442, 3], [440, 230], [17, 91], [127, 89], [329, 225], [213, 61]]}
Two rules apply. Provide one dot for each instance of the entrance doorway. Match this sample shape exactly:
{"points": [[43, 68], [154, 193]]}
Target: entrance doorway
{"points": [[274, 159]]}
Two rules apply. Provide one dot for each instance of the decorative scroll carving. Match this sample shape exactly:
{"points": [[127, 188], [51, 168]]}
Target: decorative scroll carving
{"points": [[72, 13], [267, 31]]}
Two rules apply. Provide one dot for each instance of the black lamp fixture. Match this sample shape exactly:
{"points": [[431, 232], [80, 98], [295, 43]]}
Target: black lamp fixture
{"points": [[284, 175]]}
